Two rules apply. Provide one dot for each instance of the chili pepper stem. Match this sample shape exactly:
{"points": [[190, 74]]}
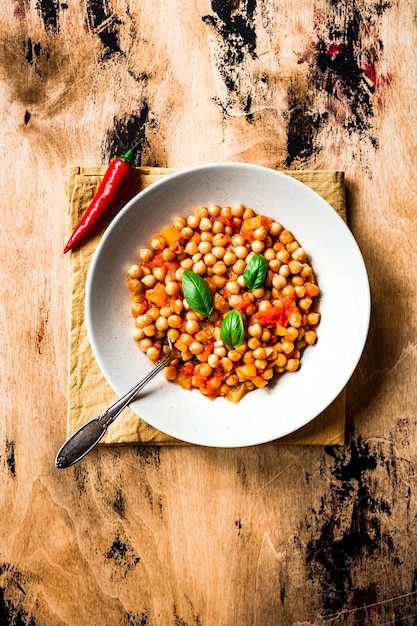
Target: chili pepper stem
{"points": [[129, 156]]}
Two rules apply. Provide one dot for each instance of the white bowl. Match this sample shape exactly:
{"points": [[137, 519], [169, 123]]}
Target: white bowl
{"points": [[297, 397]]}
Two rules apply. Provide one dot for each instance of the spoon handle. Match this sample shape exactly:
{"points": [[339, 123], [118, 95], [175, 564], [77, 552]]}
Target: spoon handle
{"points": [[87, 437]]}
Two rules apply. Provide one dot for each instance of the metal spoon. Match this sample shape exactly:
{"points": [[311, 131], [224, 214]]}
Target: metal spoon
{"points": [[87, 437]]}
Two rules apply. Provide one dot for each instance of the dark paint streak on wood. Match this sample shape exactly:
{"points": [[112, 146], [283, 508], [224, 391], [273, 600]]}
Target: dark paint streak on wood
{"points": [[10, 457], [137, 619], [119, 506], [12, 597], [41, 333], [237, 35], [49, 12], [26, 118], [122, 555], [342, 541], [344, 58], [303, 124], [105, 25], [126, 132]]}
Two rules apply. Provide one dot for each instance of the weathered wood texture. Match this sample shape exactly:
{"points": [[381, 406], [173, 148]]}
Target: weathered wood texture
{"points": [[187, 536]]}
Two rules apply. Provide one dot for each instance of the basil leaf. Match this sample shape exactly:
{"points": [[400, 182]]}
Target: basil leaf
{"points": [[232, 331], [255, 272], [197, 293]]}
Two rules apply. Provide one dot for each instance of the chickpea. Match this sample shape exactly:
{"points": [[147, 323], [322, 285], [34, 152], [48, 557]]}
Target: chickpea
{"points": [[143, 320], [219, 268], [192, 326], [210, 259], [150, 330], [135, 271], [145, 343], [193, 221], [213, 360], [177, 306], [168, 255], [313, 318], [138, 308], [310, 337], [217, 227], [254, 343], [179, 223], [241, 252], [284, 270], [219, 251], [229, 257], [149, 280], [255, 330], [275, 229], [220, 351], [158, 242], [266, 335], [259, 353], [173, 334], [233, 287], [214, 210], [287, 347], [174, 321], [281, 360], [145, 254], [299, 255], [170, 372], [238, 210], [200, 268], [138, 334], [172, 288], [204, 369], [232, 380], [292, 334], [161, 323], [152, 353], [274, 265], [187, 232], [226, 364], [196, 347], [234, 355], [257, 246], [220, 240], [248, 213], [205, 223], [300, 291], [260, 233], [292, 365], [294, 319], [159, 273], [279, 281], [191, 248], [305, 303], [239, 266], [286, 237], [201, 211], [238, 240], [295, 267]]}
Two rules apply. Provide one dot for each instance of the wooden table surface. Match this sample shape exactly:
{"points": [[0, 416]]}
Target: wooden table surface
{"points": [[189, 536]]}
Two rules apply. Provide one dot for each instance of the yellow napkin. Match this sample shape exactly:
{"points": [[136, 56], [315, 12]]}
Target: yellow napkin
{"points": [[88, 393]]}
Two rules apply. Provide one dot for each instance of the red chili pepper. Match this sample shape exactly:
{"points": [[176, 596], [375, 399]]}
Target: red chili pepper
{"points": [[117, 179]]}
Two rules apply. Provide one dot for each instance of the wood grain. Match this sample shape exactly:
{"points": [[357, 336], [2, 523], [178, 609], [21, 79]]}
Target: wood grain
{"points": [[194, 536]]}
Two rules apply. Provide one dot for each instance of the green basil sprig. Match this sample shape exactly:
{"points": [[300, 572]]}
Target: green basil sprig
{"points": [[255, 272], [232, 331], [197, 293]]}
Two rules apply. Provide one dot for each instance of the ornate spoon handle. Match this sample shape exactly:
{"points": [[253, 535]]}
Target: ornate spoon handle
{"points": [[87, 437]]}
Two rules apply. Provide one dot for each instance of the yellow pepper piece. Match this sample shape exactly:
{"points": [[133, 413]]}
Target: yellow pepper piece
{"points": [[158, 295], [171, 235]]}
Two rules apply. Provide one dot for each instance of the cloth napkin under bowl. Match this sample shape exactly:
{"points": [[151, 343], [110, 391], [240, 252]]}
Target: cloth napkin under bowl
{"points": [[88, 392]]}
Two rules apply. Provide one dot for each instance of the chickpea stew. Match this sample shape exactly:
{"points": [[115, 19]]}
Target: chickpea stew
{"points": [[235, 293]]}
